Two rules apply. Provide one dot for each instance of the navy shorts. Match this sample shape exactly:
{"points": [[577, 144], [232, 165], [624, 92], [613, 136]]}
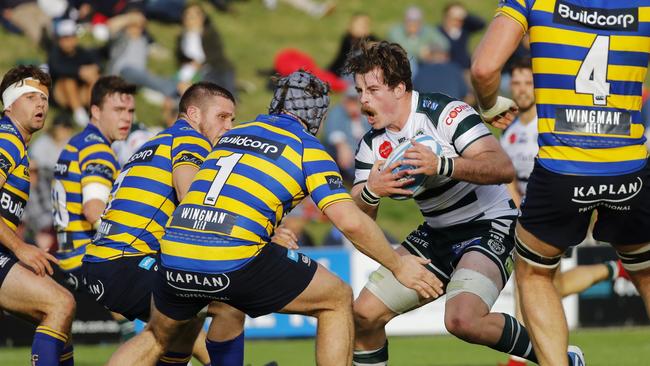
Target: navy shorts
{"points": [[7, 260], [123, 285], [446, 246], [265, 285], [558, 208]]}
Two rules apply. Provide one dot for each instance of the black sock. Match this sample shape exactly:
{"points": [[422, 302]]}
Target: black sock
{"points": [[515, 340], [379, 356]]}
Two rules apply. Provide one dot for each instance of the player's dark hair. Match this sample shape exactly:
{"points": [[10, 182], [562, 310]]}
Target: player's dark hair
{"points": [[391, 58], [522, 63], [21, 72], [108, 85], [196, 94]]}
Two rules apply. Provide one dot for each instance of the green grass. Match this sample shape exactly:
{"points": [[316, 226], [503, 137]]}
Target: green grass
{"points": [[602, 347]]}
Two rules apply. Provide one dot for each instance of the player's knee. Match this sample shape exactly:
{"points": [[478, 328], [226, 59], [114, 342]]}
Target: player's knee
{"points": [[463, 327], [343, 297], [366, 317]]}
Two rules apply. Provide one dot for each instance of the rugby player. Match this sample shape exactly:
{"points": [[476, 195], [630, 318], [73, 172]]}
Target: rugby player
{"points": [[589, 62], [27, 289], [217, 245], [468, 232], [120, 264]]}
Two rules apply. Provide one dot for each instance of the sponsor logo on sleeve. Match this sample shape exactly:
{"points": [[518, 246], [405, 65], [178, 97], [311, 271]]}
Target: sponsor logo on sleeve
{"points": [[11, 206], [255, 144], [430, 104], [189, 158], [144, 155], [100, 170], [335, 182], [623, 19]]}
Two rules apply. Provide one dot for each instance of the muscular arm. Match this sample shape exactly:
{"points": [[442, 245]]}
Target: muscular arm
{"points": [[484, 162], [182, 177], [356, 196], [499, 42]]}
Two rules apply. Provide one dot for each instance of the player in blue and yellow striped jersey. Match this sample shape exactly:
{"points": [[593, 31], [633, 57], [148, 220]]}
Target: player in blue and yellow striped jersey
{"points": [[590, 59], [27, 289], [86, 169], [152, 183], [217, 243]]}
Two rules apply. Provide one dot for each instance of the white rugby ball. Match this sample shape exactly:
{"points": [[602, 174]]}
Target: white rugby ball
{"points": [[398, 154]]}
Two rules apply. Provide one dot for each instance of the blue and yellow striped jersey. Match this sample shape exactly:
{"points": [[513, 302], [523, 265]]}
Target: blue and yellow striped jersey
{"points": [[87, 158], [14, 169], [143, 195], [590, 59], [255, 174]]}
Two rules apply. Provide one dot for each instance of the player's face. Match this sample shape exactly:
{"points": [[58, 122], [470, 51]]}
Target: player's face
{"points": [[115, 116], [378, 102], [217, 117], [522, 88], [29, 110]]}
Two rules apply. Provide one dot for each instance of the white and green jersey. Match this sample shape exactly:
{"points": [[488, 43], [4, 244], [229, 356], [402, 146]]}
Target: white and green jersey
{"points": [[455, 126]]}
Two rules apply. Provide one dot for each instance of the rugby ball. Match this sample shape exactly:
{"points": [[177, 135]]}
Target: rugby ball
{"points": [[398, 154]]}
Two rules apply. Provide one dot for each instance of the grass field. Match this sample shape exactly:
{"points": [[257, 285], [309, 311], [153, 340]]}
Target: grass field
{"points": [[602, 347]]}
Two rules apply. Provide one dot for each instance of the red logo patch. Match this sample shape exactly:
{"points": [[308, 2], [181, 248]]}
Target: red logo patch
{"points": [[513, 138], [455, 112], [385, 149]]}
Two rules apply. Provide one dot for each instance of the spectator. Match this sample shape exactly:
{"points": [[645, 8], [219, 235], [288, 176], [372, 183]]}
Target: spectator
{"points": [[108, 16], [200, 51], [74, 70], [414, 36], [44, 153], [28, 17], [128, 56], [344, 127], [458, 25], [358, 29], [289, 60], [311, 7], [436, 73]]}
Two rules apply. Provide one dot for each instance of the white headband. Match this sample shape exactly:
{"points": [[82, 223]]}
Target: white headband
{"points": [[24, 86]]}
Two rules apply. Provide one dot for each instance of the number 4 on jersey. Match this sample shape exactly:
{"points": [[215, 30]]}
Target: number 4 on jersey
{"points": [[592, 76]]}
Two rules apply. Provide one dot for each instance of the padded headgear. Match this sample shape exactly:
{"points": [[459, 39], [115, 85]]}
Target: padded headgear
{"points": [[303, 95]]}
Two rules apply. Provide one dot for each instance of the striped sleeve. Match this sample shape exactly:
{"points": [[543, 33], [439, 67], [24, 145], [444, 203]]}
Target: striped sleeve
{"points": [[189, 150], [98, 164], [363, 160], [323, 179], [518, 10], [11, 152], [461, 125]]}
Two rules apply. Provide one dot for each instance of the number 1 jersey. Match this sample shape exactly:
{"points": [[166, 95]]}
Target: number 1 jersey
{"points": [[590, 59]]}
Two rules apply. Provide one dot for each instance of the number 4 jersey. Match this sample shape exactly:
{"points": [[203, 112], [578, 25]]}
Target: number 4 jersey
{"points": [[590, 59]]}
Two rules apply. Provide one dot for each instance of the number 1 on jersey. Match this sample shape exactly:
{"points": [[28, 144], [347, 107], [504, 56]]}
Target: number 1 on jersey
{"points": [[592, 76], [226, 164]]}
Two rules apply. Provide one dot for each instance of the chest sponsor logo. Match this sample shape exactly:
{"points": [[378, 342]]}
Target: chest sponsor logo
{"points": [[592, 121], [335, 182], [385, 149], [12, 206], [260, 145], [197, 282], [205, 219], [61, 168], [145, 155], [612, 193], [451, 116], [99, 170], [624, 19]]}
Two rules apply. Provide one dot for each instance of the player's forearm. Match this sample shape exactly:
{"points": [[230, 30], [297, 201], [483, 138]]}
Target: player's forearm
{"points": [[368, 238], [369, 210], [486, 168]]}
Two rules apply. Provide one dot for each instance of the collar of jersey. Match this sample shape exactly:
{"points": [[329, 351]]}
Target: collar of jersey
{"points": [[91, 128], [7, 120]]}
